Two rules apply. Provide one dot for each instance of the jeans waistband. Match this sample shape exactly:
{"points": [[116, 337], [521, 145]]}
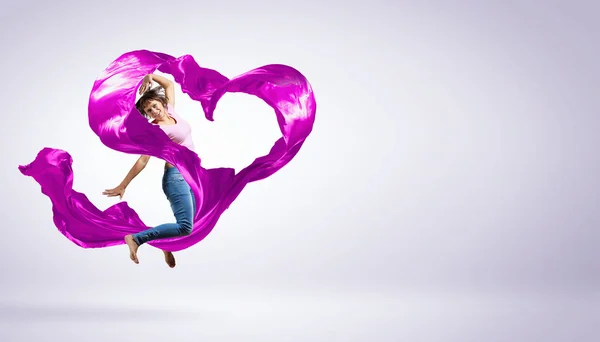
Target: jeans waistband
{"points": [[170, 170]]}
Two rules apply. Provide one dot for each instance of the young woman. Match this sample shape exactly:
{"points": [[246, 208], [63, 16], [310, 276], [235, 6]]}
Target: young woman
{"points": [[157, 105]]}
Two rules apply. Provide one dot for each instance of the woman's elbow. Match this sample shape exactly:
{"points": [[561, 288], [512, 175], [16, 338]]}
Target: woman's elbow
{"points": [[143, 160]]}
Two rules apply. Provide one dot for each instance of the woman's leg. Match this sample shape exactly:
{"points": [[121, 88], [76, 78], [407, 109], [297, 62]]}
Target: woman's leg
{"points": [[169, 257], [182, 201]]}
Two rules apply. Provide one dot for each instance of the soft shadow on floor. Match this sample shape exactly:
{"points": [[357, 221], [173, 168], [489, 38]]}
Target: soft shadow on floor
{"points": [[52, 312]]}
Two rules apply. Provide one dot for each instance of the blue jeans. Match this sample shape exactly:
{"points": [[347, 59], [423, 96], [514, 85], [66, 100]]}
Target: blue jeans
{"points": [[183, 204]]}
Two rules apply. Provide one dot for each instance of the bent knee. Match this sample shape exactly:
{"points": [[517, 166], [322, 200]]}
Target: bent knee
{"points": [[186, 228]]}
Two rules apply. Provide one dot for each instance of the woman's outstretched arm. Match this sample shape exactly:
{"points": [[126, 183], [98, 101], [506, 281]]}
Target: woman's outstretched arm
{"points": [[139, 165]]}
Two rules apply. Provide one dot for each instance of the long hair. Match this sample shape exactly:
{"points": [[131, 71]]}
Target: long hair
{"points": [[156, 93]]}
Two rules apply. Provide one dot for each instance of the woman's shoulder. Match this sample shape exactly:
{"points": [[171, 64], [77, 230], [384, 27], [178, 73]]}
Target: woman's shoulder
{"points": [[171, 109]]}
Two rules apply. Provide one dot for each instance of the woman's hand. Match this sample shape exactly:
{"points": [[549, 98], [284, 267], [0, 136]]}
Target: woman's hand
{"points": [[118, 191], [146, 84]]}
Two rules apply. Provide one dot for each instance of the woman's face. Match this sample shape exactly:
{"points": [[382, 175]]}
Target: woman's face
{"points": [[155, 110]]}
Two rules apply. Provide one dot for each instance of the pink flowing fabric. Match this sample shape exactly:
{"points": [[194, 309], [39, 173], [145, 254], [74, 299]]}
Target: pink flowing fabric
{"points": [[114, 118]]}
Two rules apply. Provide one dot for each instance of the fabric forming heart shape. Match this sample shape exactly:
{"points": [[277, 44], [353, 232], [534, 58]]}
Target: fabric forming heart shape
{"points": [[119, 125]]}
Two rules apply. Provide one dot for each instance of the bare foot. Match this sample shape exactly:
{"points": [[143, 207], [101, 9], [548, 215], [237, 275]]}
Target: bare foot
{"points": [[170, 259], [133, 247]]}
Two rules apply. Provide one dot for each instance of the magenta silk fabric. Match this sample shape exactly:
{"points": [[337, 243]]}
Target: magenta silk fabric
{"points": [[114, 118]]}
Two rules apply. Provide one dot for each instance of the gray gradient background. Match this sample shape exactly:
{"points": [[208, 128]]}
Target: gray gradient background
{"points": [[448, 191]]}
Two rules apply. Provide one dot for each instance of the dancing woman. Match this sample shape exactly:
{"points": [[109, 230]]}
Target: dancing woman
{"points": [[158, 106]]}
